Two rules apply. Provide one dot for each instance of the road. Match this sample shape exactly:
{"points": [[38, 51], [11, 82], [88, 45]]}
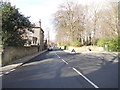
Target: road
{"points": [[58, 69]]}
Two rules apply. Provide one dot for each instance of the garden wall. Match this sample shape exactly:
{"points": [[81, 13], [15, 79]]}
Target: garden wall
{"points": [[10, 54]]}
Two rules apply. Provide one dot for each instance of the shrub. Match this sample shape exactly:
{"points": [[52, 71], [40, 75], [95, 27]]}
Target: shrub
{"points": [[113, 43], [76, 44], [64, 44]]}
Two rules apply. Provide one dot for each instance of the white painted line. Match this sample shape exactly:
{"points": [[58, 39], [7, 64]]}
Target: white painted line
{"points": [[85, 78], [56, 53], [1, 75], [7, 72], [64, 61], [58, 56], [12, 70]]}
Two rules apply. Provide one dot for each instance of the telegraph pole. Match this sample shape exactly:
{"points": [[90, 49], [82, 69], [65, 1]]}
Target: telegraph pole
{"points": [[40, 31], [48, 37], [40, 46]]}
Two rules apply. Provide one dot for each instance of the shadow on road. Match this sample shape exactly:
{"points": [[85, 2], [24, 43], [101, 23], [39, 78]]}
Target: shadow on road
{"points": [[100, 69], [41, 57], [56, 74], [50, 75], [106, 76]]}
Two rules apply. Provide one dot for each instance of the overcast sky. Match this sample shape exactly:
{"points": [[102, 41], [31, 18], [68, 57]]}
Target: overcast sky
{"points": [[44, 9]]}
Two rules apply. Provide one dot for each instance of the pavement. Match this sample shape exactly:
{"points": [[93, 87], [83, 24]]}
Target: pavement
{"points": [[19, 62]]}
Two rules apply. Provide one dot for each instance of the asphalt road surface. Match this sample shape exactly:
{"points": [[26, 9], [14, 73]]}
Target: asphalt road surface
{"points": [[58, 69]]}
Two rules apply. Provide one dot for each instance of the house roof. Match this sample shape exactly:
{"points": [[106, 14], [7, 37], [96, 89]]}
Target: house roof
{"points": [[38, 28]]}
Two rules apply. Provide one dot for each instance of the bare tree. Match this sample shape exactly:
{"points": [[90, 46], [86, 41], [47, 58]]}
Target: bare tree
{"points": [[109, 25], [85, 24], [69, 20]]}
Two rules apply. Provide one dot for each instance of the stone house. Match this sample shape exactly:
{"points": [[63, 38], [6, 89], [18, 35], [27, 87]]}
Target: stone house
{"points": [[35, 38]]}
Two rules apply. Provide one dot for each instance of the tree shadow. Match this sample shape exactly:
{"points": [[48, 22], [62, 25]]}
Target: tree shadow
{"points": [[41, 57], [51, 77], [59, 75], [106, 76], [102, 71]]}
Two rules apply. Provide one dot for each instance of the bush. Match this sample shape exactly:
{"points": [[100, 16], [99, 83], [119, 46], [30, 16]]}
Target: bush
{"points": [[113, 43], [76, 44], [102, 42], [64, 44]]}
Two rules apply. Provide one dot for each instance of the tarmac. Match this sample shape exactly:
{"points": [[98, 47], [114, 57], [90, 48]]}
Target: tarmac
{"points": [[19, 62], [23, 60], [103, 52]]}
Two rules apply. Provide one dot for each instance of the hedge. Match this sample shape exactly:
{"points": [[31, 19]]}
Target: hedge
{"points": [[113, 43]]}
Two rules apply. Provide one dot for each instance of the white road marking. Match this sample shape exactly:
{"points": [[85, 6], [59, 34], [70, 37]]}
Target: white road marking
{"points": [[7, 72], [58, 56], [12, 70], [85, 78], [1, 75], [56, 53], [80, 74], [64, 61]]}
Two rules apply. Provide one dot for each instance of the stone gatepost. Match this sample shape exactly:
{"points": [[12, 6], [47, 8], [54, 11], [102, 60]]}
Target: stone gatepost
{"points": [[1, 54]]}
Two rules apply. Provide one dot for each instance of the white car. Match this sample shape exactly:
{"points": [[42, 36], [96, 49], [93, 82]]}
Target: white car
{"points": [[50, 48]]}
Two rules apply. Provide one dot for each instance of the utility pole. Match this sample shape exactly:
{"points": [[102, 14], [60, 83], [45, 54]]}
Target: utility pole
{"points": [[40, 31], [48, 37], [40, 35]]}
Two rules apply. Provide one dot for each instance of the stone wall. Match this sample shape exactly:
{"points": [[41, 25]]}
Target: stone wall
{"points": [[10, 54], [86, 48], [83, 48]]}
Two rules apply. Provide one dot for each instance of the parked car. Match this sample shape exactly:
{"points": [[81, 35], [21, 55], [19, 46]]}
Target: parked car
{"points": [[50, 48]]}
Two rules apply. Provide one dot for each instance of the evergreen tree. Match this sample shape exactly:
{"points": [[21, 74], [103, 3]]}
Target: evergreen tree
{"points": [[14, 26]]}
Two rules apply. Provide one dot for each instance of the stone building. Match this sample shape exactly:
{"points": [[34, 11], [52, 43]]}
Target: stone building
{"points": [[35, 38]]}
